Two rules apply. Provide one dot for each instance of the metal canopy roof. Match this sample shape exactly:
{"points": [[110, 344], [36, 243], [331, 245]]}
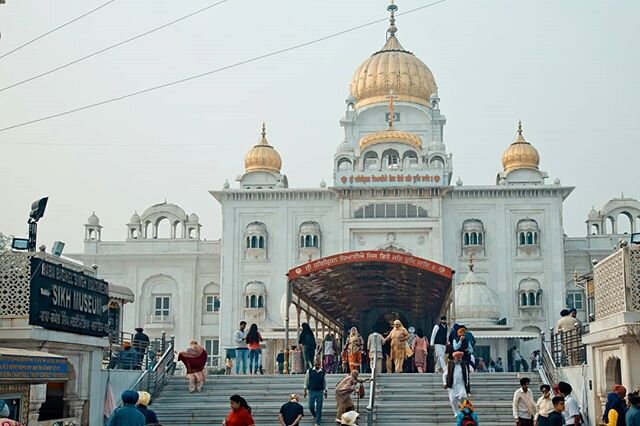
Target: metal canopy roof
{"points": [[344, 285]]}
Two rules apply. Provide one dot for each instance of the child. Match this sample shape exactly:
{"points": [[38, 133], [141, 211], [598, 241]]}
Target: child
{"points": [[228, 365], [467, 416]]}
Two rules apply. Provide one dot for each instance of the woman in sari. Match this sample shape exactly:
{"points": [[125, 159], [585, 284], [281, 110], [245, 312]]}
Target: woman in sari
{"points": [[355, 345], [194, 359]]}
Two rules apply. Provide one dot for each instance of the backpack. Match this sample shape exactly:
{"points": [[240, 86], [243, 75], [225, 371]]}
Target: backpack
{"points": [[467, 420]]}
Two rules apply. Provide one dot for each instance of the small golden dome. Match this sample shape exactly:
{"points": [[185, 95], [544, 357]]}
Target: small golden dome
{"points": [[392, 69], [390, 135], [262, 157], [520, 154]]}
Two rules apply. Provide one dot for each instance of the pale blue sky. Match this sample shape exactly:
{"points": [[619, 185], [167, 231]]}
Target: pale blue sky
{"points": [[568, 69]]}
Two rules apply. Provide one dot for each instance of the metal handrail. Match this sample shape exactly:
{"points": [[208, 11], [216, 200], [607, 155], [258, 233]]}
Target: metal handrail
{"points": [[372, 388], [155, 379], [549, 372]]}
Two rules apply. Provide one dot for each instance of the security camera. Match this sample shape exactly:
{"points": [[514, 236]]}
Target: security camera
{"points": [[594, 262]]}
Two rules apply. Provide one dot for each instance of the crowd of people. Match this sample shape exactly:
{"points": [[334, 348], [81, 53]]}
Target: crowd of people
{"points": [[398, 350]]}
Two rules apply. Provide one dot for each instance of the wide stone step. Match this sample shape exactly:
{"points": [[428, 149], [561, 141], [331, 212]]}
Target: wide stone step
{"points": [[405, 399]]}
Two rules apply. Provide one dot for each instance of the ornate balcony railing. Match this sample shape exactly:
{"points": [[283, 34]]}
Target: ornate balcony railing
{"points": [[617, 283]]}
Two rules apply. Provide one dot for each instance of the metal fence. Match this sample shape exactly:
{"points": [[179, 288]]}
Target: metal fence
{"points": [[126, 354], [567, 349]]}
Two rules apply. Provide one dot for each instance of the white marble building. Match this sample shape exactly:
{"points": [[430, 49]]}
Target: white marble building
{"points": [[172, 271], [392, 190]]}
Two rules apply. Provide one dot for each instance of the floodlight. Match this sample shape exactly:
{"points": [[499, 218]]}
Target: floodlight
{"points": [[37, 209], [635, 238], [58, 247], [20, 244]]}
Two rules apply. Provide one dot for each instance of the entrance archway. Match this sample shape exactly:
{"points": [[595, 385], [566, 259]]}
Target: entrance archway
{"points": [[357, 288]]}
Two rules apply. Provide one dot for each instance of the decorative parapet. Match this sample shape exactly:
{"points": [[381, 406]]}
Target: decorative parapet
{"points": [[617, 283], [15, 270], [15, 279]]}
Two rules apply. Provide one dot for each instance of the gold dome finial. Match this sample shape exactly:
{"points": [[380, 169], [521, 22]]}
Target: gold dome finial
{"points": [[520, 154], [470, 262], [262, 157], [392, 8]]}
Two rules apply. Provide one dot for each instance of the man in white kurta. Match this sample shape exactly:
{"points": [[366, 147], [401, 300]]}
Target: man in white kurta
{"points": [[456, 380], [438, 342]]}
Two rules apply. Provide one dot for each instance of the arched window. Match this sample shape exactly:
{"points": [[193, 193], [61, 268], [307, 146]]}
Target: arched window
{"points": [[163, 228], [529, 293], [255, 294], [436, 163], [410, 160], [345, 165], [309, 233], [624, 223], [472, 233], [371, 160], [256, 236], [528, 232], [391, 159]]}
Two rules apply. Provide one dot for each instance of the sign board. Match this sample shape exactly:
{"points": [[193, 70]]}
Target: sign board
{"points": [[66, 300], [369, 256], [372, 179], [33, 369]]}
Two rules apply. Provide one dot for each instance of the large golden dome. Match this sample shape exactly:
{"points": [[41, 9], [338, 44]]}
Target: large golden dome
{"points": [[262, 157], [392, 69], [520, 154]]}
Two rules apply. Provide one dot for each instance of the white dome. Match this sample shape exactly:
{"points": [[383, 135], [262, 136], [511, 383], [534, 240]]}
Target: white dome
{"points": [[593, 214], [193, 218], [135, 219], [476, 303], [93, 220]]}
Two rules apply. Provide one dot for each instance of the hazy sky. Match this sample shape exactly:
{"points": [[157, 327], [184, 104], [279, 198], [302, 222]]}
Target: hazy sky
{"points": [[568, 69]]}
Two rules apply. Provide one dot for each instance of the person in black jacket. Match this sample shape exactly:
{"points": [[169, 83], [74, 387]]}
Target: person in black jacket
{"points": [[308, 342]]}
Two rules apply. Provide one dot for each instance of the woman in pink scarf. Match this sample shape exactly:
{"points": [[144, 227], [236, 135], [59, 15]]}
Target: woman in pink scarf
{"points": [[195, 359]]}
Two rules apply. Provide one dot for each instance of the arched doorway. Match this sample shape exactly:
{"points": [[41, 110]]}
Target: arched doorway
{"points": [[370, 288], [612, 373]]}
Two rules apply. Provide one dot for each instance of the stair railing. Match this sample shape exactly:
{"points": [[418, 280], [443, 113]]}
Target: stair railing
{"points": [[154, 379], [549, 372], [372, 389]]}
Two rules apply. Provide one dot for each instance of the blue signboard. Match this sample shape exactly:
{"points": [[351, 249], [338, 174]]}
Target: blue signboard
{"points": [[33, 368]]}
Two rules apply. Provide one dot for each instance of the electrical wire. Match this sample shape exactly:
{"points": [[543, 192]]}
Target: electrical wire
{"points": [[113, 46], [194, 77], [4, 55]]}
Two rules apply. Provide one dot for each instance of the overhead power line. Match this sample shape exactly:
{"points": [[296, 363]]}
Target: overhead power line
{"points": [[56, 29], [204, 74], [113, 46]]}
